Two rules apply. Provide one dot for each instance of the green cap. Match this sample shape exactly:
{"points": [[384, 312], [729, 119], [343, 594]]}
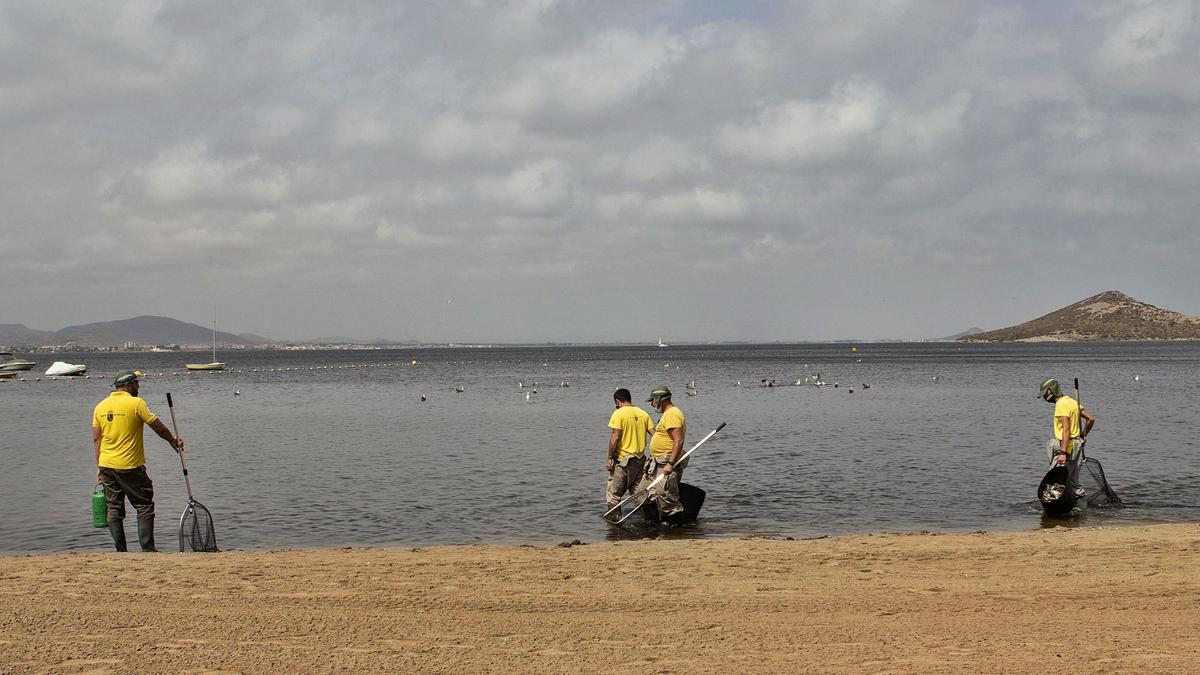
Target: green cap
{"points": [[1051, 384], [658, 394], [126, 376]]}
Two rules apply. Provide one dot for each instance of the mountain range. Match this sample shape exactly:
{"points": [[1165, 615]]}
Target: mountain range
{"points": [[1110, 315], [142, 330]]}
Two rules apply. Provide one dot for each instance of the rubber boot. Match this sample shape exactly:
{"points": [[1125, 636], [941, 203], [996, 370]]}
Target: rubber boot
{"points": [[146, 534], [117, 529]]}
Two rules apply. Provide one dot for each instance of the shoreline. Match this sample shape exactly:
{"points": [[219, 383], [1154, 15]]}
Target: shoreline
{"points": [[1057, 600]]}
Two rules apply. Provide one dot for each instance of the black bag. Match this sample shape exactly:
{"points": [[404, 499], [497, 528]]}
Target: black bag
{"points": [[1052, 492], [692, 499]]}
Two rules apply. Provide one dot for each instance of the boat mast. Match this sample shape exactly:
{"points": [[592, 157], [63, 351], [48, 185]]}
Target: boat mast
{"points": [[214, 336]]}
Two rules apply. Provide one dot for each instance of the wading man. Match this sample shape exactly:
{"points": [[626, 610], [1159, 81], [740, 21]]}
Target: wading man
{"points": [[1067, 445], [117, 424], [666, 445], [626, 442]]}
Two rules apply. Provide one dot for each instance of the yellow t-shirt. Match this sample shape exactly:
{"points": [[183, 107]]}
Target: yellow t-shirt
{"points": [[661, 442], [1066, 407], [120, 418], [634, 423]]}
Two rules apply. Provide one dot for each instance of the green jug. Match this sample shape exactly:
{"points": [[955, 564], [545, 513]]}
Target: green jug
{"points": [[99, 507]]}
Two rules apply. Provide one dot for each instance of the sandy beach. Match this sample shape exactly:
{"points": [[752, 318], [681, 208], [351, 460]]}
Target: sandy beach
{"points": [[1062, 600]]}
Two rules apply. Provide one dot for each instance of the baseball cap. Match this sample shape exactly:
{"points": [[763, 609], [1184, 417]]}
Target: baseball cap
{"points": [[659, 393], [126, 376]]}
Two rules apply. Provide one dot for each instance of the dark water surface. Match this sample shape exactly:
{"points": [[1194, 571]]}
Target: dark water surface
{"points": [[335, 448]]}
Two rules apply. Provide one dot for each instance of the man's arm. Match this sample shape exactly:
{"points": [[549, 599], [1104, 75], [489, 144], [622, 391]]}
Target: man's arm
{"points": [[165, 434], [97, 435], [676, 449], [1065, 441], [1090, 419], [614, 442]]}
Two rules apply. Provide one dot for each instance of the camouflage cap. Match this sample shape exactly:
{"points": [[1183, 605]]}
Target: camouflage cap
{"points": [[125, 376], [659, 393], [1051, 384]]}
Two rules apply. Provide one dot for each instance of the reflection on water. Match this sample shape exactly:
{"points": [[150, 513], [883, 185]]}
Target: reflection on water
{"points": [[945, 438]]}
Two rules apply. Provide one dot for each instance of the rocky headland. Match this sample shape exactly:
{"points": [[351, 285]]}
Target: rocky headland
{"points": [[1110, 315]]}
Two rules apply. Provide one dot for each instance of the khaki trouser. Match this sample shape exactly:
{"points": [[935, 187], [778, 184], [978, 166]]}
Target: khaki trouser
{"points": [[1073, 463], [623, 478], [666, 493]]}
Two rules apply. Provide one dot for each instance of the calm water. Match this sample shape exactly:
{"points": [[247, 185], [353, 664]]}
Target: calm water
{"points": [[348, 454]]}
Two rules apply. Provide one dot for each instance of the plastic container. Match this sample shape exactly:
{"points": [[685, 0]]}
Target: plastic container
{"points": [[99, 507]]}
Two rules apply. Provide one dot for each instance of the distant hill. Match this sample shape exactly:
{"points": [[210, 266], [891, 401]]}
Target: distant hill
{"points": [[19, 334], [144, 330], [1111, 315], [957, 336]]}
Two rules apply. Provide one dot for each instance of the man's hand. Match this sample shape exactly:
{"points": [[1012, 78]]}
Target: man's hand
{"points": [[178, 445], [1061, 459], [609, 464], [668, 468]]}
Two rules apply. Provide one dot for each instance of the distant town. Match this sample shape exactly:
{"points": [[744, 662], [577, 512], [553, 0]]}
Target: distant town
{"points": [[136, 347]]}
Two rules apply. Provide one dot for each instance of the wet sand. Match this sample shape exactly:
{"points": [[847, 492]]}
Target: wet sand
{"points": [[1062, 600]]}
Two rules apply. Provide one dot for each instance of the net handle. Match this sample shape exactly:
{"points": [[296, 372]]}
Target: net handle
{"points": [[1079, 402], [175, 427]]}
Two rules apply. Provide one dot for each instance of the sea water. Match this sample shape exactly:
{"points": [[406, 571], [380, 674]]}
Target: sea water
{"points": [[336, 448]]}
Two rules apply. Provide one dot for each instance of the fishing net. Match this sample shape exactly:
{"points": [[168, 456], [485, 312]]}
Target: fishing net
{"points": [[1099, 493], [196, 529]]}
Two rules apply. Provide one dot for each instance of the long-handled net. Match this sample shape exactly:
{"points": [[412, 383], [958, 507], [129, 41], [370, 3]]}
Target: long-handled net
{"points": [[1091, 474], [196, 528]]}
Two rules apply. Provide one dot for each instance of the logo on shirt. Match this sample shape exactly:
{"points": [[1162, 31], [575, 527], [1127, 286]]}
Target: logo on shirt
{"points": [[109, 415]]}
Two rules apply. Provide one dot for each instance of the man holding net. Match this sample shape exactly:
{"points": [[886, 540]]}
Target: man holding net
{"points": [[1067, 445], [117, 426], [666, 445]]}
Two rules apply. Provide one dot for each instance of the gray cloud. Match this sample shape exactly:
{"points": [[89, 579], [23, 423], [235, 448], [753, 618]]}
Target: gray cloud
{"points": [[596, 171]]}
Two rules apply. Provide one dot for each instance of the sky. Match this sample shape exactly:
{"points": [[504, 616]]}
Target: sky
{"points": [[606, 171]]}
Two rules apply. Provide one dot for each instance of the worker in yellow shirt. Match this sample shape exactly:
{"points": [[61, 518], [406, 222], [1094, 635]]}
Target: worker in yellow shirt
{"points": [[117, 425], [626, 444], [1069, 435], [666, 446]]}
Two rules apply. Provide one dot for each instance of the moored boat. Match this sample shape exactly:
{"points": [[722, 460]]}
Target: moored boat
{"points": [[10, 363], [215, 364], [64, 369]]}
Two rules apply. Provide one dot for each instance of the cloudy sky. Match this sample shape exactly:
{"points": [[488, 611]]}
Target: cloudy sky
{"points": [[544, 170]]}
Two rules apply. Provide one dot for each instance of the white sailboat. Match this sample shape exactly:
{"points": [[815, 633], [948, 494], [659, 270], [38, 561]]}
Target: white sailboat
{"points": [[215, 365], [661, 343]]}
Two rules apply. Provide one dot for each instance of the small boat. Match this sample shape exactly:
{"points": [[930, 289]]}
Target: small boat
{"points": [[10, 363], [64, 369], [215, 364], [662, 344]]}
